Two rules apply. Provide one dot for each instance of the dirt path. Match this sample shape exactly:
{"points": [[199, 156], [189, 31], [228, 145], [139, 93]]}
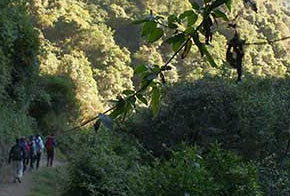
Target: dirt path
{"points": [[17, 189], [23, 188]]}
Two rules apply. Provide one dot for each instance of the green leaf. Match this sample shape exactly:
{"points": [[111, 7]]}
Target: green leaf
{"points": [[107, 121], [120, 107], [139, 21], [148, 28], [177, 45], [186, 14], [189, 30], [220, 14], [191, 20], [198, 43], [175, 38], [128, 92], [132, 101], [170, 40], [140, 69], [229, 5], [194, 5], [172, 26], [171, 21], [144, 84], [176, 41], [156, 69], [155, 100], [141, 98], [191, 17], [186, 49], [209, 58], [155, 35], [216, 4]]}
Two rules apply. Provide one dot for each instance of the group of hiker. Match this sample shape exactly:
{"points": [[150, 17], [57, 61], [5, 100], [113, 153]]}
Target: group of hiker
{"points": [[27, 152]]}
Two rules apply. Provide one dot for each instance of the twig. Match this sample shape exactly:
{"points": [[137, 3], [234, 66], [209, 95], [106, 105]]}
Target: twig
{"points": [[140, 90], [268, 41], [165, 65], [86, 122]]}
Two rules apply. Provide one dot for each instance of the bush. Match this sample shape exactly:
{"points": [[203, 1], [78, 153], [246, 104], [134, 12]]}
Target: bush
{"points": [[54, 103], [110, 164], [251, 115], [188, 172], [104, 164], [18, 71], [274, 176]]}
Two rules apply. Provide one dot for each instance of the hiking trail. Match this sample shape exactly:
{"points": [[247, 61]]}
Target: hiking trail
{"points": [[21, 189], [17, 189]]}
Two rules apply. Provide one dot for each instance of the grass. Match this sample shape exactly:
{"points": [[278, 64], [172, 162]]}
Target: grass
{"points": [[47, 182]]}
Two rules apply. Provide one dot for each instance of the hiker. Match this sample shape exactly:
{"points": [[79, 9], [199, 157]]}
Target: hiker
{"points": [[16, 155], [32, 152], [39, 147], [25, 145], [50, 145]]}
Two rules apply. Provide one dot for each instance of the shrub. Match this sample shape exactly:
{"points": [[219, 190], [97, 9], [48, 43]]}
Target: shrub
{"points": [[110, 164], [188, 172], [104, 165], [251, 115]]}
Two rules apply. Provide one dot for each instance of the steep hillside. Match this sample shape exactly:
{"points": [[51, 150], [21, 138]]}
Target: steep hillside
{"points": [[29, 103], [97, 38]]}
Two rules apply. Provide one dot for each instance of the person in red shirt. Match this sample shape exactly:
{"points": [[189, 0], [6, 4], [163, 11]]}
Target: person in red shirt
{"points": [[50, 145]]}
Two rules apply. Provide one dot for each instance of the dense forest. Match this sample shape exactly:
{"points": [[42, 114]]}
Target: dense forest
{"points": [[63, 62]]}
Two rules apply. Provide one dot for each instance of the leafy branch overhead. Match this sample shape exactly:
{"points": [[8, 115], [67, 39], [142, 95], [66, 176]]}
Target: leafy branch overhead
{"points": [[190, 27], [182, 31]]}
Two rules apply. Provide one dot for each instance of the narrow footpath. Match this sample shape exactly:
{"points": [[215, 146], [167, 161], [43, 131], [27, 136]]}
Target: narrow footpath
{"points": [[17, 189], [21, 189]]}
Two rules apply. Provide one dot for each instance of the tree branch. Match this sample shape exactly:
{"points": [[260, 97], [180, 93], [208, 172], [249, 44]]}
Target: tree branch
{"points": [[268, 41], [140, 90]]}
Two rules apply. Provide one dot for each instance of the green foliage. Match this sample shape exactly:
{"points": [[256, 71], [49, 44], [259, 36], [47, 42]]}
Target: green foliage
{"points": [[14, 124], [104, 164], [19, 46], [76, 66], [188, 173], [54, 103], [96, 29], [274, 176], [249, 116], [73, 35], [18, 68], [110, 164], [29, 102], [88, 52]]}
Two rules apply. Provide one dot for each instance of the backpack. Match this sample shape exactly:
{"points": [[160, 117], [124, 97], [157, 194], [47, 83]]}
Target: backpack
{"points": [[27, 147], [49, 143], [17, 153], [32, 148], [39, 145]]}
